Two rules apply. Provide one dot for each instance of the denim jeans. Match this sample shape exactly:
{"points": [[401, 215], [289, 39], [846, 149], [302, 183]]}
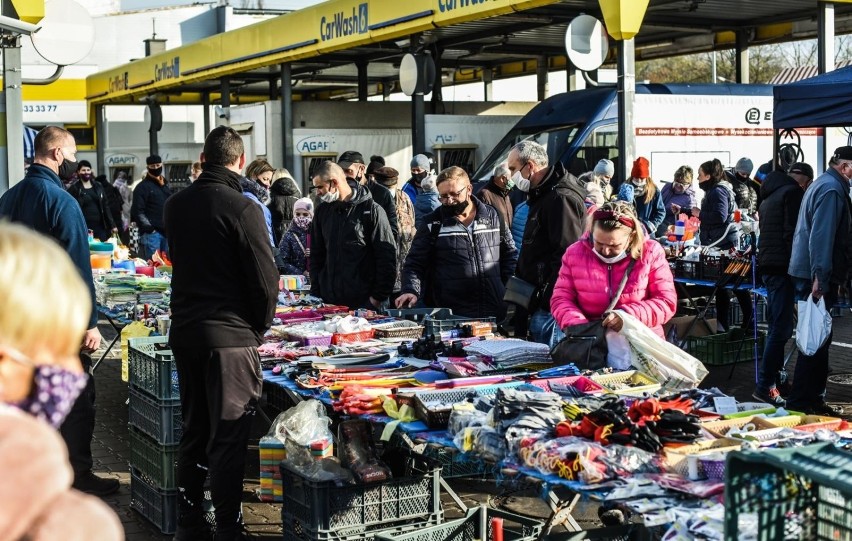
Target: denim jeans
{"points": [[779, 316], [151, 242], [811, 374], [544, 329]]}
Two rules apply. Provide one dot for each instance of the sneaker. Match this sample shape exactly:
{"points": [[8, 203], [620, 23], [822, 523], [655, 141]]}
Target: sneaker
{"points": [[772, 397], [94, 485], [826, 409]]}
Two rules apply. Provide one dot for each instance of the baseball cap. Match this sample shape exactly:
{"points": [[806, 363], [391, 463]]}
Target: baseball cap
{"points": [[348, 158], [803, 169]]}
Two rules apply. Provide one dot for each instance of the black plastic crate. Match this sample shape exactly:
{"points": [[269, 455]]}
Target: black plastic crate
{"points": [[712, 267], [325, 510], [454, 463], [470, 528], [160, 419], [152, 460], [160, 506], [152, 367]]}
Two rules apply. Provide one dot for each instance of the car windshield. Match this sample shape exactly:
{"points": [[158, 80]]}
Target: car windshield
{"points": [[556, 140]]}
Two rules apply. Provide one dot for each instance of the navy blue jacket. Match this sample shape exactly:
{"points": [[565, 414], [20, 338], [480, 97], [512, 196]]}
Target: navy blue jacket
{"points": [[149, 200], [460, 269], [717, 211], [650, 214], [41, 203]]}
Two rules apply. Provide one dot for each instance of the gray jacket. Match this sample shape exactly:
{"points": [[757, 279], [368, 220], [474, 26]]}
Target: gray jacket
{"points": [[823, 232]]}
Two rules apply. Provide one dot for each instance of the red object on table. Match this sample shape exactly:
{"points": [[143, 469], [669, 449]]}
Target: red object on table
{"points": [[496, 529]]}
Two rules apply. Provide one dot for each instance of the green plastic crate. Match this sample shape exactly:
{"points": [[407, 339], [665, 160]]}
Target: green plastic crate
{"points": [[455, 463], [152, 367], [721, 349], [801, 493], [154, 461]]}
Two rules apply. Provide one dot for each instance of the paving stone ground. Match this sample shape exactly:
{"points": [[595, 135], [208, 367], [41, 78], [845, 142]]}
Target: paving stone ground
{"points": [[110, 447]]}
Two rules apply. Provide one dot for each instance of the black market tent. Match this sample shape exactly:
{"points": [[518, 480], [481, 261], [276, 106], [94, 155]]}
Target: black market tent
{"points": [[825, 100]]}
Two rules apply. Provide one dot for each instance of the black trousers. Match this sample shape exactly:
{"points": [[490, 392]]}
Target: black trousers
{"points": [[219, 391], [79, 426]]}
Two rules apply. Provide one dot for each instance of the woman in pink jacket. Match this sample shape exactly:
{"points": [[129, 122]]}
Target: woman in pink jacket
{"points": [[592, 269]]}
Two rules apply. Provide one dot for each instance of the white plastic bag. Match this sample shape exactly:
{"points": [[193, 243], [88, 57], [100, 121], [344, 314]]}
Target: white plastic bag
{"points": [[674, 368], [618, 355], [814, 325]]}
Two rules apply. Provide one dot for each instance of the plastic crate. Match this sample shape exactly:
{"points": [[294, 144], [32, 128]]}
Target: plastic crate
{"points": [[293, 530], [712, 267], [735, 314], [399, 329], [629, 382], [419, 314], [721, 349], [437, 417], [160, 506], [323, 510], [808, 423], [160, 419], [581, 383], [153, 368], [676, 458], [153, 461], [721, 427], [438, 323], [470, 528], [455, 463], [801, 493]]}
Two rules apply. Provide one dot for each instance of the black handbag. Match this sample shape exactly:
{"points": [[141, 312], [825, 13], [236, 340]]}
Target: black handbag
{"points": [[520, 292], [585, 344]]}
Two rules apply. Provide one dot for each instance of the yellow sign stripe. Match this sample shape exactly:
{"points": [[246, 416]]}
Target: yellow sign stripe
{"points": [[31, 11]]}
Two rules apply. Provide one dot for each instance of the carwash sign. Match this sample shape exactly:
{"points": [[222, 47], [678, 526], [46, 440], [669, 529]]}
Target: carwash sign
{"points": [[452, 5], [343, 24]]}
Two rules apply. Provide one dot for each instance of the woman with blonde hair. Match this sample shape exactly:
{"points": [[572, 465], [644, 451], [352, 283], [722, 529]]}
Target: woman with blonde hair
{"points": [[255, 186], [646, 197], [594, 266], [40, 378]]}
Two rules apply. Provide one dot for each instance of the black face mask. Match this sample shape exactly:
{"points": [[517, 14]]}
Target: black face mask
{"points": [[155, 172], [420, 176], [456, 209], [67, 169]]}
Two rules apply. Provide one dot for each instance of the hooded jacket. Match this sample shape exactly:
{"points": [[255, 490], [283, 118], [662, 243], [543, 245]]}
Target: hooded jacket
{"points": [[412, 189], [556, 219], [586, 285], [717, 211], [652, 213], [497, 197], [779, 211], [149, 199], [40, 202], [821, 243], [260, 195], [353, 255], [283, 195], [293, 248], [225, 284], [424, 205], [106, 221], [462, 269]]}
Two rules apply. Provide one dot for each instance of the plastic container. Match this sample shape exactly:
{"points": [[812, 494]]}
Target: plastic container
{"points": [[101, 247], [441, 322], [677, 459], [352, 337], [146, 270], [477, 525], [323, 510], [721, 349], [808, 423], [581, 383], [398, 329], [721, 427], [434, 407], [629, 382], [101, 261], [160, 506], [455, 463], [154, 462], [152, 368], [127, 265], [159, 419]]}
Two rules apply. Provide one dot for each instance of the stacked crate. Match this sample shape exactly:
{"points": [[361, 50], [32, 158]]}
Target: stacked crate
{"points": [[155, 430]]}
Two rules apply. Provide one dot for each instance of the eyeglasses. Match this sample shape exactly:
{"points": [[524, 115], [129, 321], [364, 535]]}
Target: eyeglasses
{"points": [[453, 195]]}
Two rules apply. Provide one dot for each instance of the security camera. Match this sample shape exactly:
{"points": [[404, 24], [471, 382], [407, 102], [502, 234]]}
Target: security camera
{"points": [[16, 26], [222, 112]]}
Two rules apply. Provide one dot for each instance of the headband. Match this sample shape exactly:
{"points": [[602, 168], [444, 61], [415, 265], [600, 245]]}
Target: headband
{"points": [[608, 215]]}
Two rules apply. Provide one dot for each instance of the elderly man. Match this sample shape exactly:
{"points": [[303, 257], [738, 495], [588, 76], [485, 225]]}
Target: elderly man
{"points": [[353, 167], [803, 174], [462, 254], [353, 254], [496, 193], [819, 266], [556, 220]]}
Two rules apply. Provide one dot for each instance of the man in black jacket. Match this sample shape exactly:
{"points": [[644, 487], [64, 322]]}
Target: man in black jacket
{"points": [[556, 220], [224, 291], [779, 211], [462, 255], [353, 167], [353, 254], [149, 198], [92, 198]]}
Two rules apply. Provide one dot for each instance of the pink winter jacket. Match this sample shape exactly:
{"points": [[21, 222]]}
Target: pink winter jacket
{"points": [[585, 285]]}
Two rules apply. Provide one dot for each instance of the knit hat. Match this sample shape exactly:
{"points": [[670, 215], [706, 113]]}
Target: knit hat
{"points": [[640, 168], [744, 166], [83, 163], [151, 160], [605, 168], [375, 163], [386, 176], [304, 203], [626, 191], [421, 161], [803, 169]]}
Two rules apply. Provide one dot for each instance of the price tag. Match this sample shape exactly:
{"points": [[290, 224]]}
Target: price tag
{"points": [[725, 405]]}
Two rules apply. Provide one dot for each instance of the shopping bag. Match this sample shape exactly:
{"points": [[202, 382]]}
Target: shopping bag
{"points": [[814, 325], [674, 368]]}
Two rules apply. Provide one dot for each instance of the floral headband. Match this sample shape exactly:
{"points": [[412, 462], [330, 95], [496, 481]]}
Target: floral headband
{"points": [[608, 215]]}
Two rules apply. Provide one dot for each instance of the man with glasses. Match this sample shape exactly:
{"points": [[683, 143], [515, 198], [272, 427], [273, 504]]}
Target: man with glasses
{"points": [[41, 203], [462, 254], [353, 254], [819, 266]]}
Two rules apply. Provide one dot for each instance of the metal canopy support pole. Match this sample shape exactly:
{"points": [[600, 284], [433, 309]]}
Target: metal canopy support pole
{"points": [[363, 88], [154, 129], [541, 77], [287, 115], [742, 60], [626, 100], [438, 86], [825, 63], [100, 135], [575, 78], [387, 87], [14, 111], [488, 83], [418, 124], [224, 100], [205, 105]]}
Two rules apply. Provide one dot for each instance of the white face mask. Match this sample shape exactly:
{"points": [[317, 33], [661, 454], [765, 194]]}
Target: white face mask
{"points": [[611, 260], [330, 197], [520, 182]]}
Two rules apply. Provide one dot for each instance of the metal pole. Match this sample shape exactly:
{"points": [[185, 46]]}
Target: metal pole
{"points": [[100, 135], [205, 104], [287, 115], [418, 124], [14, 111], [626, 100], [713, 74], [825, 62], [224, 100], [575, 78], [742, 75], [541, 78], [488, 83], [363, 89]]}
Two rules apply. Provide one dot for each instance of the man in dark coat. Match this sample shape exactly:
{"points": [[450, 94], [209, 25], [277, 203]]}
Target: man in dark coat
{"points": [[557, 214], [224, 291], [41, 203], [354, 168], [353, 253], [149, 199], [779, 211], [496, 193], [462, 255]]}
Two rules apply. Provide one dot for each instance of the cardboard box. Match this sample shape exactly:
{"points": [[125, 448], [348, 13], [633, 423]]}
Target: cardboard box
{"points": [[682, 323]]}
